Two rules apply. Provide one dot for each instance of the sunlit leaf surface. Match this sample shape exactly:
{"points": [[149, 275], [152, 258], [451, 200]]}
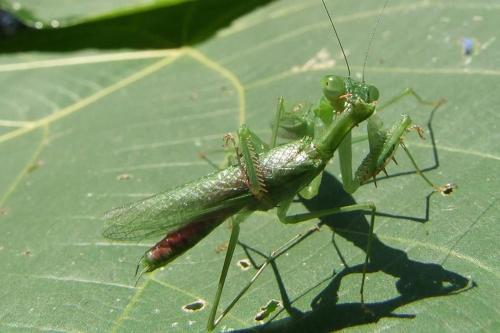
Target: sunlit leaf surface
{"points": [[91, 121]]}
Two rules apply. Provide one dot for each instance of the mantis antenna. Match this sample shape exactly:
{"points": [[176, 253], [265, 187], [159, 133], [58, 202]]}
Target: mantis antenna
{"points": [[338, 38], [370, 42]]}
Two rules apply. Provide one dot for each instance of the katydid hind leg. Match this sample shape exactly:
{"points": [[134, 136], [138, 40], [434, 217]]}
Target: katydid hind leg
{"points": [[251, 148]]}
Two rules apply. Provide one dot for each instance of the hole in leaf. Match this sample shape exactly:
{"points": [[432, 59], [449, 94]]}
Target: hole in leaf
{"points": [[195, 306], [244, 264], [266, 310], [221, 248], [124, 176]]}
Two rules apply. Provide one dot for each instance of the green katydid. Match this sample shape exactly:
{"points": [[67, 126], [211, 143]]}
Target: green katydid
{"points": [[268, 176]]}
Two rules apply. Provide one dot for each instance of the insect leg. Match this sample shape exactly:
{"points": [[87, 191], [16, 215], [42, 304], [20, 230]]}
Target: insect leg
{"points": [[410, 92], [230, 155], [445, 189], [283, 208], [312, 189], [233, 240], [382, 143], [251, 146], [204, 157], [345, 159], [269, 259], [276, 124], [368, 206]]}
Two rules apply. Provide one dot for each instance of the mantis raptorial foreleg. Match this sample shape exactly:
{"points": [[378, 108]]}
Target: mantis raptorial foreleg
{"points": [[383, 143]]}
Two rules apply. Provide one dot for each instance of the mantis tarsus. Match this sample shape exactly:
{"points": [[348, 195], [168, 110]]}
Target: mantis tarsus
{"points": [[270, 176]]}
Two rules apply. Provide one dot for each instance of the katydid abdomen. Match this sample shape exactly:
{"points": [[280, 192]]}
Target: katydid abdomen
{"points": [[179, 241]]}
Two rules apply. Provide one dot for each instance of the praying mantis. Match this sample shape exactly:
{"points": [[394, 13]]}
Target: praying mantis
{"points": [[269, 176]]}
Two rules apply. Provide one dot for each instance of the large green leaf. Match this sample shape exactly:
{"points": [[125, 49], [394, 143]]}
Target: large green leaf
{"points": [[93, 121], [57, 14]]}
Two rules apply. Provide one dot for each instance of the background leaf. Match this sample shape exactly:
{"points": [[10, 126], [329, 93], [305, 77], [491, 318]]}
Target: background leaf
{"points": [[57, 14], [105, 113]]}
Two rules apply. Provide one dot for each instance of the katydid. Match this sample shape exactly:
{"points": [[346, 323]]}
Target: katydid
{"points": [[268, 176]]}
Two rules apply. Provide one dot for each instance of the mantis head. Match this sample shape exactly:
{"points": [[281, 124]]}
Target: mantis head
{"points": [[340, 90], [351, 102], [345, 94]]}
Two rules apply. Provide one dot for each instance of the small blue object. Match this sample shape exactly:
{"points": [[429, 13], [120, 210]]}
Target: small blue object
{"points": [[468, 46]]}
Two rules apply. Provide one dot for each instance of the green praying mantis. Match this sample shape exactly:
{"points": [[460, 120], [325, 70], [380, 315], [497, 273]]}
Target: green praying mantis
{"points": [[267, 176]]}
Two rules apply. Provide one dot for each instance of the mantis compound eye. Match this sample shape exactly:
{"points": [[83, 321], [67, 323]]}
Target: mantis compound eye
{"points": [[333, 88], [373, 94]]}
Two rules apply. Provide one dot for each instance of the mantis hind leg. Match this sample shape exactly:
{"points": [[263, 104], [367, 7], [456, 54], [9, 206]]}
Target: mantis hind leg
{"points": [[445, 189], [269, 261], [409, 92], [368, 206], [276, 124], [233, 240], [301, 237]]}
